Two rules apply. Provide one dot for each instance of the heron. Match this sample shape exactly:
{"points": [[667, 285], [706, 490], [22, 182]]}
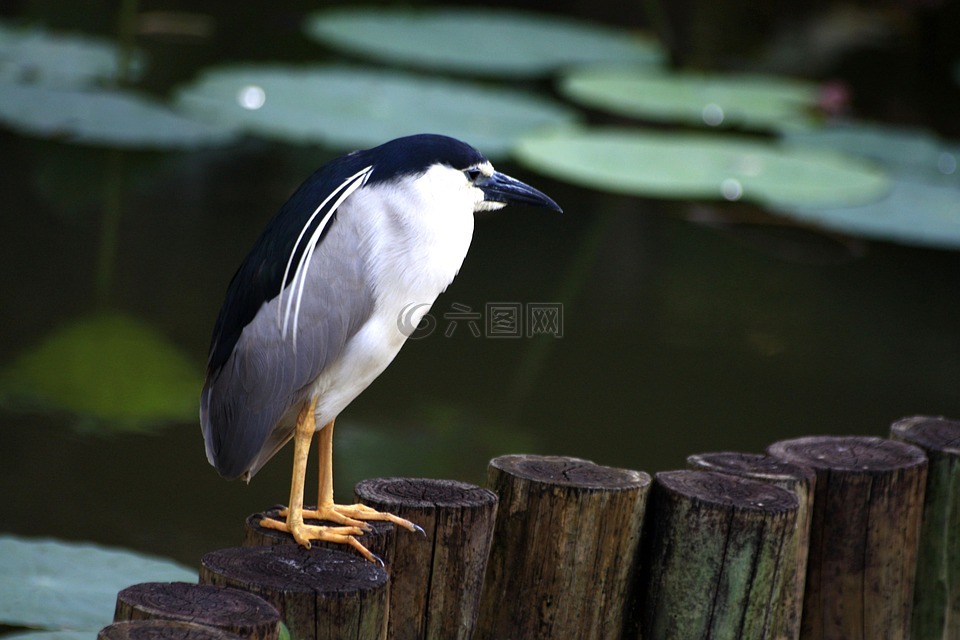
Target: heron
{"points": [[325, 298]]}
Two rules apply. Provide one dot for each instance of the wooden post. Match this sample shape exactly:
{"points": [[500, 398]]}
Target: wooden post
{"points": [[379, 540], [863, 536], [717, 556], [163, 630], [799, 480], [239, 612], [436, 582], [564, 549], [936, 601], [320, 593]]}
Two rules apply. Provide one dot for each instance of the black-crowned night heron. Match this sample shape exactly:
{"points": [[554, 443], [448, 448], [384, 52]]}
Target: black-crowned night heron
{"points": [[325, 299]]}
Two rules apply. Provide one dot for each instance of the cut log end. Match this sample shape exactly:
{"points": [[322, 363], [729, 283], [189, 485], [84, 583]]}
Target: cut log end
{"points": [[233, 610], [930, 433], [849, 453], [569, 472], [724, 490]]}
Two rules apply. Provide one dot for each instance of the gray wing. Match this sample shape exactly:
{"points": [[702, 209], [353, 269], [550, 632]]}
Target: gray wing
{"points": [[248, 410]]}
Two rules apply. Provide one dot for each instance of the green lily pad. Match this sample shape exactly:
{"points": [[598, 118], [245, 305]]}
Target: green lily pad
{"points": [[914, 152], [477, 41], [346, 108], [49, 584], [915, 213], [701, 166], [51, 635], [38, 56], [109, 367], [102, 117], [759, 102]]}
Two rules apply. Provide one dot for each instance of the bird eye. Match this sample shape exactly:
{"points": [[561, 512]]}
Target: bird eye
{"points": [[473, 174]]}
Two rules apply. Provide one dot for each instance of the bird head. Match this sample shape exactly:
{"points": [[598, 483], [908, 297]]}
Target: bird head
{"points": [[440, 167]]}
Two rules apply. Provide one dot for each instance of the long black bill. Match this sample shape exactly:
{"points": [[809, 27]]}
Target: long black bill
{"points": [[502, 188]]}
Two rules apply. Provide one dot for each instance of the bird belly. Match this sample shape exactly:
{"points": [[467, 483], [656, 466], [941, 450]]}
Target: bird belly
{"points": [[364, 357]]}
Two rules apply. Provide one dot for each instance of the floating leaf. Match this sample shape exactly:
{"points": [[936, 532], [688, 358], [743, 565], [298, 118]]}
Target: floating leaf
{"points": [[51, 635], [760, 102], [58, 585], [704, 166], [109, 367], [102, 117], [914, 213], [349, 108], [477, 41], [913, 152], [56, 59]]}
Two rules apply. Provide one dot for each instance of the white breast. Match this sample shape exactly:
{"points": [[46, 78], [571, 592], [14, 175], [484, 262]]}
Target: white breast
{"points": [[415, 238]]}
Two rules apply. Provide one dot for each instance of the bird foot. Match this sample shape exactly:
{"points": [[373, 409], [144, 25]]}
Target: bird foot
{"points": [[350, 518], [355, 515], [304, 534]]}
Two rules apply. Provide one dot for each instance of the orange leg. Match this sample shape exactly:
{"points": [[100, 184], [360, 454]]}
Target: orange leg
{"points": [[349, 517]]}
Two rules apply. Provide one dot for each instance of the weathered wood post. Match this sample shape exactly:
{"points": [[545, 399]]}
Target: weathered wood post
{"points": [[863, 536], [799, 480], [163, 630], [435, 590], [936, 602], [564, 549], [239, 612], [717, 557], [320, 593]]}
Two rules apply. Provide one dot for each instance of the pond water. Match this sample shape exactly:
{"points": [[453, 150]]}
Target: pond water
{"points": [[664, 330]]}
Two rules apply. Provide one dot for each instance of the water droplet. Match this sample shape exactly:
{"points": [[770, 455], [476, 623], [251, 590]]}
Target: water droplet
{"points": [[251, 97], [731, 189], [712, 114]]}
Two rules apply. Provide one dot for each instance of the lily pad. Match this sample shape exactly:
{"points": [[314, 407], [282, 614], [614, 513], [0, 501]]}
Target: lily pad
{"points": [[37, 56], [346, 108], [915, 213], [109, 367], [758, 102], [701, 166], [477, 41], [913, 152], [50, 584], [102, 117]]}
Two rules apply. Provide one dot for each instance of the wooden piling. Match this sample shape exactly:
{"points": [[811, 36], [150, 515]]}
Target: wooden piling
{"points": [[163, 630], [239, 612], [717, 557], [863, 537], [379, 540], [320, 593], [435, 590], [936, 602], [564, 549], [801, 481]]}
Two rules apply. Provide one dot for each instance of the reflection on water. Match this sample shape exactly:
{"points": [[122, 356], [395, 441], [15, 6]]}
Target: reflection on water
{"points": [[681, 334]]}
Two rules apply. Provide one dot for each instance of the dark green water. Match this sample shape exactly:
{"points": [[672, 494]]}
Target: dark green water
{"points": [[678, 338]]}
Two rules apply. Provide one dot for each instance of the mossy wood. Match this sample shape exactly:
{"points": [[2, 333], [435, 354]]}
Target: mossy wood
{"points": [[239, 612], [936, 600], [435, 580], [718, 556], [863, 534], [799, 480], [163, 630], [320, 593], [564, 550], [379, 540]]}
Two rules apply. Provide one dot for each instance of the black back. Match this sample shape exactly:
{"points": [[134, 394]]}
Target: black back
{"points": [[258, 279]]}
